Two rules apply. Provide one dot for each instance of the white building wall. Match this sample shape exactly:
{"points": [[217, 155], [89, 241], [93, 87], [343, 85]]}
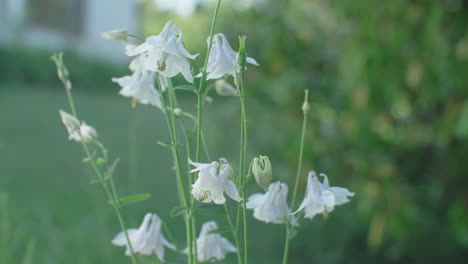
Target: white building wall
{"points": [[98, 16]]}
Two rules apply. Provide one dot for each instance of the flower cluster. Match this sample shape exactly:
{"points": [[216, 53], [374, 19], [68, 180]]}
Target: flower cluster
{"points": [[154, 62]]}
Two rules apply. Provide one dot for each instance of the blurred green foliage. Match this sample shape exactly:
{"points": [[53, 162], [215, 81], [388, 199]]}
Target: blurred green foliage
{"points": [[389, 89]]}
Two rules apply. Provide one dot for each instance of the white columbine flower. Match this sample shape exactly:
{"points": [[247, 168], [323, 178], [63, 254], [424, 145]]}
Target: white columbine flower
{"points": [[272, 206], [320, 197], [146, 240], [77, 131], [213, 180], [223, 60], [211, 246], [87, 132], [139, 85], [72, 125], [165, 53]]}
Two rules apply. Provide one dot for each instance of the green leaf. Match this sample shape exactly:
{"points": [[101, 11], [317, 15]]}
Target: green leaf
{"points": [[100, 161], [292, 234], [210, 209], [178, 210], [223, 230], [96, 181], [133, 199], [167, 145], [185, 88], [110, 170]]}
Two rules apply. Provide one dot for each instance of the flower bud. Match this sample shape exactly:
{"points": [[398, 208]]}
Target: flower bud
{"points": [[88, 133], [225, 89], [178, 111], [261, 169], [208, 99], [306, 107], [116, 34]]}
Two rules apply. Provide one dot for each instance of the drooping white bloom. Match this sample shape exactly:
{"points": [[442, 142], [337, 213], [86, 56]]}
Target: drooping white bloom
{"points": [[212, 246], [87, 132], [223, 60], [146, 240], [320, 197], [165, 53], [213, 180], [272, 206], [72, 125], [139, 85]]}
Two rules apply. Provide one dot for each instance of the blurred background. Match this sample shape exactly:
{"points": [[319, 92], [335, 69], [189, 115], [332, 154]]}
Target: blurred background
{"points": [[389, 92]]}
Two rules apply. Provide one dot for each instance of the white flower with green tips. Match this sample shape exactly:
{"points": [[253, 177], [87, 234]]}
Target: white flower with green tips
{"points": [[223, 60], [213, 181], [145, 240], [165, 53], [320, 198]]}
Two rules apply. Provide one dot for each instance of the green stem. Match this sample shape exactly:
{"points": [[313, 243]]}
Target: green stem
{"points": [[234, 233], [298, 176], [170, 120], [111, 195], [203, 77]]}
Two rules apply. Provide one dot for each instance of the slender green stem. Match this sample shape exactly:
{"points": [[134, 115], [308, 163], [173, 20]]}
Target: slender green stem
{"points": [[200, 87], [298, 174], [234, 232], [191, 215], [110, 193], [170, 120]]}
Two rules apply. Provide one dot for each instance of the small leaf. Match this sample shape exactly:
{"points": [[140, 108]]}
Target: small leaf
{"points": [[100, 161], [223, 230], [210, 209], [292, 234], [86, 160], [178, 210], [96, 181], [110, 171], [133, 199], [167, 145], [185, 88]]}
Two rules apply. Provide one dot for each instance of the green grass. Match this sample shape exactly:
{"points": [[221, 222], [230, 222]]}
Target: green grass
{"points": [[51, 200]]}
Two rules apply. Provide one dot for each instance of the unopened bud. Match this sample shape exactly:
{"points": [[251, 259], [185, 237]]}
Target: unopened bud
{"points": [[88, 133], [225, 89], [116, 34], [178, 111], [261, 169], [306, 107], [208, 99]]}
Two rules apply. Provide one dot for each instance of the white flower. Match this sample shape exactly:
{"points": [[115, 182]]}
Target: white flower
{"points": [[88, 133], [72, 125], [213, 180], [139, 85], [146, 240], [271, 207], [320, 197], [223, 60], [211, 246], [165, 53]]}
